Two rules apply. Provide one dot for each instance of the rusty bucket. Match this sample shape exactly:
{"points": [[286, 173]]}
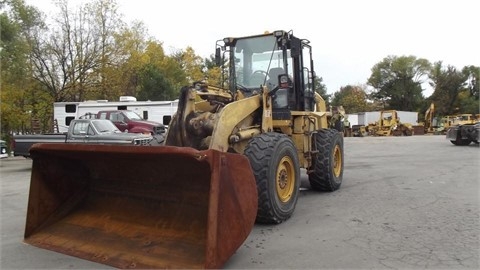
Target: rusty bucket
{"points": [[140, 206]]}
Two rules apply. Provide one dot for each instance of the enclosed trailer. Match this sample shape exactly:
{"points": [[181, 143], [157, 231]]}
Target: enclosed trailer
{"points": [[158, 111]]}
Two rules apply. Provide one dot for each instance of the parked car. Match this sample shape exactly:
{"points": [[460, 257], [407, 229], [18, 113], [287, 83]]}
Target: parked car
{"points": [[3, 149], [130, 121], [93, 131]]}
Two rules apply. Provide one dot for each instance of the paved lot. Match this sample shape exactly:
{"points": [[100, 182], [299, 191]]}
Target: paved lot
{"points": [[405, 203]]}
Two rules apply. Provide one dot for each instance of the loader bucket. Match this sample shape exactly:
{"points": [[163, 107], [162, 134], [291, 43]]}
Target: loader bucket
{"points": [[140, 206]]}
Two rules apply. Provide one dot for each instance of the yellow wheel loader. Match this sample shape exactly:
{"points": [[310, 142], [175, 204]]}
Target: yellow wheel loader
{"points": [[389, 125], [232, 156]]}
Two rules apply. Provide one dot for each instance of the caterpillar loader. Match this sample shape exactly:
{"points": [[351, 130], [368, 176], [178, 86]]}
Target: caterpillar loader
{"points": [[232, 157], [389, 124]]}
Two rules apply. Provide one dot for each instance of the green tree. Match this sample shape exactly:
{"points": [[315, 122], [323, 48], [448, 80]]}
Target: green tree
{"points": [[175, 71], [20, 102], [191, 64], [397, 82], [212, 72], [471, 101], [353, 98], [154, 85], [466, 103], [473, 80], [124, 71], [321, 88], [447, 84]]}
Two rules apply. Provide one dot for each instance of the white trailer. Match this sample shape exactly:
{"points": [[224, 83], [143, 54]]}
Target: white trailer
{"points": [[158, 111], [365, 118]]}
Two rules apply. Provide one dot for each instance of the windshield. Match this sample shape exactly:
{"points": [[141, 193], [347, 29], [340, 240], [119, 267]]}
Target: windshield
{"points": [[258, 61], [132, 115], [105, 126]]}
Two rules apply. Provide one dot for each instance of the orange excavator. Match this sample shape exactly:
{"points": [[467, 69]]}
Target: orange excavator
{"points": [[232, 157]]}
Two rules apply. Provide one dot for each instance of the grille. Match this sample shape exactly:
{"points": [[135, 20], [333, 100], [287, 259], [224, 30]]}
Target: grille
{"points": [[145, 141]]}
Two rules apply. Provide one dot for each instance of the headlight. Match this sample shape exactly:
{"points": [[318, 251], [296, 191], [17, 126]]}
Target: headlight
{"points": [[284, 81]]}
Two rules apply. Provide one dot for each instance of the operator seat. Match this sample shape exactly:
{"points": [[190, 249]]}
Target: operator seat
{"points": [[273, 77]]}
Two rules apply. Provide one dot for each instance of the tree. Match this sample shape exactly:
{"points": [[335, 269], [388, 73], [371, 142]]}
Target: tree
{"points": [[473, 80], [105, 23], [353, 98], [123, 72], [19, 101], [191, 64], [321, 88], [397, 81], [469, 101], [447, 84], [212, 72], [154, 85], [70, 61], [174, 70]]}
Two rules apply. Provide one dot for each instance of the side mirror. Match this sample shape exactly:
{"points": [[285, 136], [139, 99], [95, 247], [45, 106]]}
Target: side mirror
{"points": [[218, 58]]}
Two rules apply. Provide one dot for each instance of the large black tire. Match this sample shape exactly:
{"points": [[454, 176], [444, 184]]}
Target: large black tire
{"points": [[459, 141], [326, 173], [274, 161]]}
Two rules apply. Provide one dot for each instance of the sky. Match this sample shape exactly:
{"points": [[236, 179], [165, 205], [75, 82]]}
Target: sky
{"points": [[348, 37]]}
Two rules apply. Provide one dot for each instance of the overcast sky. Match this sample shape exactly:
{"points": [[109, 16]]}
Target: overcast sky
{"points": [[348, 37]]}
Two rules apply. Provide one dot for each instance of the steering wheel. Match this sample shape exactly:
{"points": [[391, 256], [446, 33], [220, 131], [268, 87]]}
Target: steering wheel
{"points": [[258, 77], [260, 72]]}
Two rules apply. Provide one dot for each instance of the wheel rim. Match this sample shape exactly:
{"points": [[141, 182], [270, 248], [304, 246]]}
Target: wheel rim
{"points": [[337, 161], [285, 179]]}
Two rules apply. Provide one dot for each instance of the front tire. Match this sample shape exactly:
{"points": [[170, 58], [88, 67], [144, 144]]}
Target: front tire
{"points": [[274, 161], [326, 173]]}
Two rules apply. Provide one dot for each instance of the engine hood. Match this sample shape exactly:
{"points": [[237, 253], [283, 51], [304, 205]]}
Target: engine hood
{"points": [[145, 123], [124, 136]]}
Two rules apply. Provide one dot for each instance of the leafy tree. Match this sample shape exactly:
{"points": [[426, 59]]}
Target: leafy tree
{"points": [[19, 102], [142, 61], [154, 85], [191, 64], [174, 69], [321, 88], [104, 23], [466, 103], [447, 84], [469, 98], [397, 81], [473, 80], [71, 60], [123, 73], [353, 98], [212, 72]]}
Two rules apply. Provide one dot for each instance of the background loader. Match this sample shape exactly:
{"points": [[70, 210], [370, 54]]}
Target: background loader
{"points": [[232, 157], [389, 125]]}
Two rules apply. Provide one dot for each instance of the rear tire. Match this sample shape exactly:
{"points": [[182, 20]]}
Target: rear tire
{"points": [[274, 161], [459, 141], [326, 173]]}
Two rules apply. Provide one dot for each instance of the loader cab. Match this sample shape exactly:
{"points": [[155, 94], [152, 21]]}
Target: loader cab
{"points": [[278, 61]]}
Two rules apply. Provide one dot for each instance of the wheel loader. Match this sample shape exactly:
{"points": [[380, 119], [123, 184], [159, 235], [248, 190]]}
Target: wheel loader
{"points": [[389, 125], [232, 157]]}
